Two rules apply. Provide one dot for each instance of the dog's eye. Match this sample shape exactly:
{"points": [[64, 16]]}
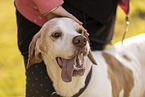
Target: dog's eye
{"points": [[80, 31], [56, 35]]}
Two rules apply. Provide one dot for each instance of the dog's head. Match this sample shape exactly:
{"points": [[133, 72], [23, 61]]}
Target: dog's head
{"points": [[63, 40]]}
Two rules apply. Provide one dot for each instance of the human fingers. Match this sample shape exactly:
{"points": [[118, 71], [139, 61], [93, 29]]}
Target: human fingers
{"points": [[85, 32]]}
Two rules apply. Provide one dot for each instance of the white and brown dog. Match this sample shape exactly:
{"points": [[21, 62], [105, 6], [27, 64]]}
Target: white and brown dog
{"points": [[120, 70]]}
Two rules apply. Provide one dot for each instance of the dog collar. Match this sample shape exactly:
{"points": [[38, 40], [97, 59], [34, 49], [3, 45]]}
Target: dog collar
{"points": [[81, 90], [86, 84]]}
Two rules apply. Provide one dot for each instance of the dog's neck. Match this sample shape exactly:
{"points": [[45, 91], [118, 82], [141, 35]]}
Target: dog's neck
{"points": [[62, 88]]}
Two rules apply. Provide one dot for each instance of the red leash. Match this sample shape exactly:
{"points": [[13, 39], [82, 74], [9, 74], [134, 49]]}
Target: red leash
{"points": [[124, 4]]}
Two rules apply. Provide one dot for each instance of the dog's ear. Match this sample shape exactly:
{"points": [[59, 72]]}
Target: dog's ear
{"points": [[34, 54], [90, 55], [92, 59]]}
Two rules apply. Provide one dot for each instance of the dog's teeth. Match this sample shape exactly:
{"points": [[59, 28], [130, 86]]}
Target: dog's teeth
{"points": [[83, 65], [79, 61], [81, 54], [75, 68]]}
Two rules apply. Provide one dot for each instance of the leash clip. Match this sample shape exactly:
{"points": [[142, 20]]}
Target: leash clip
{"points": [[126, 28]]}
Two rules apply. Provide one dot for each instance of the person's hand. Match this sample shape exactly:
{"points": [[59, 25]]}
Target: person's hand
{"points": [[60, 11]]}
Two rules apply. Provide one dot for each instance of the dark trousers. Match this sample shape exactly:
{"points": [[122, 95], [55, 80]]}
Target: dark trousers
{"points": [[100, 35], [38, 83]]}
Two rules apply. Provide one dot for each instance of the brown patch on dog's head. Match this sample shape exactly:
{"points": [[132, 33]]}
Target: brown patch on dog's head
{"points": [[121, 77], [126, 57], [34, 55]]}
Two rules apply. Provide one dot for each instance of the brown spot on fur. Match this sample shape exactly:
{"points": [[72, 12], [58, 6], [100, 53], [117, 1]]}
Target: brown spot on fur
{"points": [[143, 94], [126, 57], [121, 77], [139, 49]]}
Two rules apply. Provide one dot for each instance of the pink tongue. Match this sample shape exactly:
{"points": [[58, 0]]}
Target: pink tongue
{"points": [[67, 69]]}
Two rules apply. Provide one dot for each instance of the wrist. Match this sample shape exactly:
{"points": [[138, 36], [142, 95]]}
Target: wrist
{"points": [[45, 14]]}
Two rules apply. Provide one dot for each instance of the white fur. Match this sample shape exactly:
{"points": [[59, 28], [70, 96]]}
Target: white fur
{"points": [[100, 84]]}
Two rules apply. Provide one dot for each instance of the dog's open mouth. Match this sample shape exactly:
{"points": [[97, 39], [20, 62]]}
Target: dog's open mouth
{"points": [[71, 67]]}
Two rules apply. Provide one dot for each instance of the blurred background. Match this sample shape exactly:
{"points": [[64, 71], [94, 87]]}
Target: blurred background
{"points": [[12, 72]]}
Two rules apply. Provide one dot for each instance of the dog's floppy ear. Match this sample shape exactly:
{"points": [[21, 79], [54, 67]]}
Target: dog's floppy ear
{"points": [[34, 55], [90, 55]]}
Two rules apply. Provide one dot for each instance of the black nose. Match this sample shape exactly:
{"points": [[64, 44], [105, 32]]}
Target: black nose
{"points": [[79, 41]]}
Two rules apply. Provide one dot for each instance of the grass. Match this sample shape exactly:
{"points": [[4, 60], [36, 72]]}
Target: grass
{"points": [[136, 18], [12, 72]]}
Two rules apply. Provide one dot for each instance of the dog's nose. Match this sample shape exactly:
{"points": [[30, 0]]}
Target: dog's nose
{"points": [[79, 41]]}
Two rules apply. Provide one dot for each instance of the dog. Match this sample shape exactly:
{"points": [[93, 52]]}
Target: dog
{"points": [[120, 70]]}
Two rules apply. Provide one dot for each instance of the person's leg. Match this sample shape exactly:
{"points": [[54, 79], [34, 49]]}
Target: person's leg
{"points": [[38, 83], [100, 34]]}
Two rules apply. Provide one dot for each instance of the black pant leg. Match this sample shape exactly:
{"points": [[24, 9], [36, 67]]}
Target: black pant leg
{"points": [[100, 34], [38, 83]]}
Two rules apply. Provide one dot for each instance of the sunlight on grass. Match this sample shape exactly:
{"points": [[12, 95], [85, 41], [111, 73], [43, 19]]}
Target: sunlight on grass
{"points": [[136, 18], [12, 79], [12, 72]]}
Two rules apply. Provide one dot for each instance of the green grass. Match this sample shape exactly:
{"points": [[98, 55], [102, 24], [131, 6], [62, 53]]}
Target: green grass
{"points": [[12, 72], [136, 18]]}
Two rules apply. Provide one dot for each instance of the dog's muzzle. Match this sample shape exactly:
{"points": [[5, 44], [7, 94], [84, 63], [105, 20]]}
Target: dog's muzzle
{"points": [[79, 41], [75, 65], [71, 67]]}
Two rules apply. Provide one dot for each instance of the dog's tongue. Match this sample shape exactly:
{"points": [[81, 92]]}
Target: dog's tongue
{"points": [[67, 69]]}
